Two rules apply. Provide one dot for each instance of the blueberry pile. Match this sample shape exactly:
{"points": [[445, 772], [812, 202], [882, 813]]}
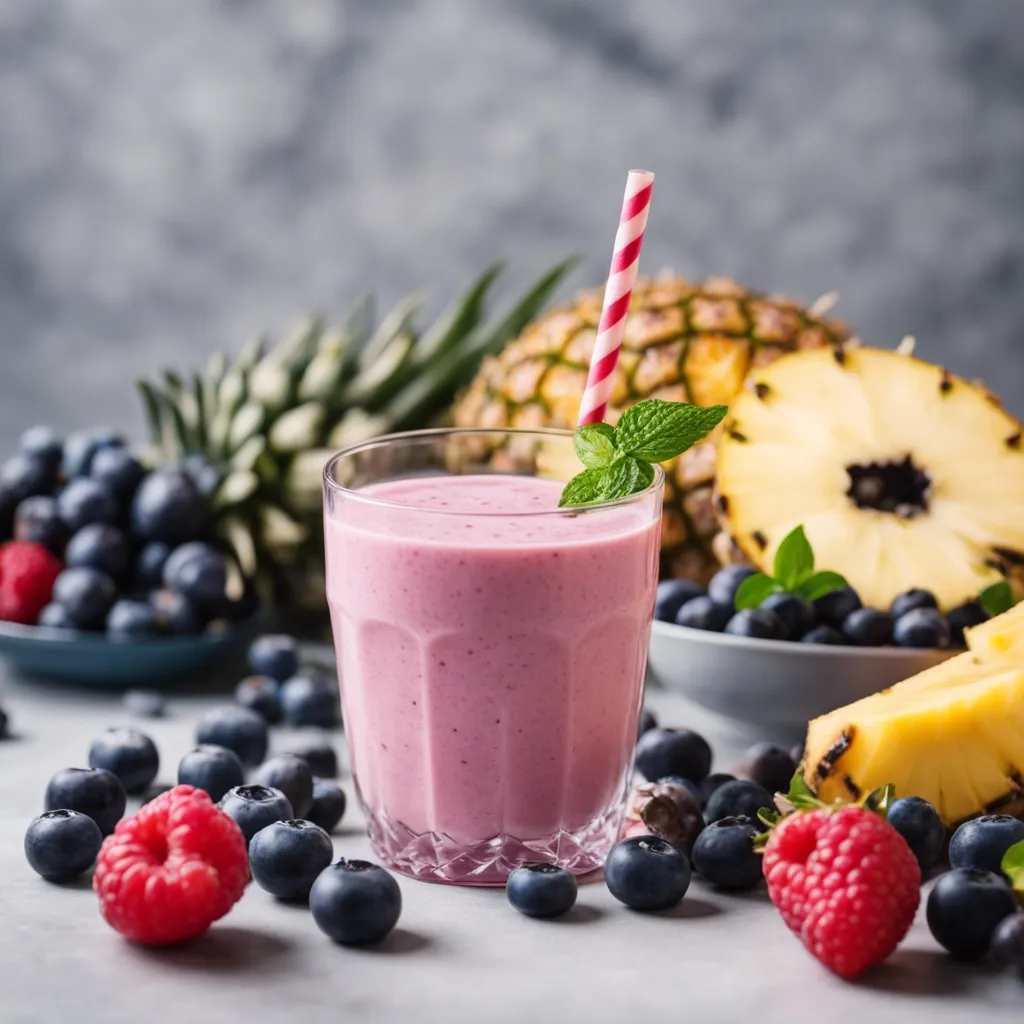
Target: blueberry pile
{"points": [[912, 620], [134, 550]]}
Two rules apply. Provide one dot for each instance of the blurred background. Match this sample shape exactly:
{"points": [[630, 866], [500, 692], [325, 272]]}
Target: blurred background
{"points": [[176, 178]]}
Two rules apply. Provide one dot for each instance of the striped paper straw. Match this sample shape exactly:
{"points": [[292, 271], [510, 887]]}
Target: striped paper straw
{"points": [[636, 204]]}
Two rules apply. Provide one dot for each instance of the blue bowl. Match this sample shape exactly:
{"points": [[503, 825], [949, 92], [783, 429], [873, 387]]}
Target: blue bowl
{"points": [[97, 661]]}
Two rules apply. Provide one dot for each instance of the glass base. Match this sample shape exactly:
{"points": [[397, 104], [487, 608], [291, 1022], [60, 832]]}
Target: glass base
{"points": [[439, 858]]}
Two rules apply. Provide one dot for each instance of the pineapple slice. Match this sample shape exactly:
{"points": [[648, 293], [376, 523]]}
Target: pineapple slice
{"points": [[1001, 638], [901, 474], [955, 738]]}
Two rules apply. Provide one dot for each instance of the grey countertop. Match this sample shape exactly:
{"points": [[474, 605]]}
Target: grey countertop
{"points": [[457, 955]]}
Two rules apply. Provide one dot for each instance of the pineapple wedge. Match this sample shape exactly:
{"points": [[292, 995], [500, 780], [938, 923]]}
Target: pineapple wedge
{"points": [[1001, 638]]}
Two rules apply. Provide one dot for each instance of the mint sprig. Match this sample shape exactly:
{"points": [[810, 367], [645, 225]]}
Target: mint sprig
{"points": [[620, 459], [792, 573], [996, 599], [1013, 868]]}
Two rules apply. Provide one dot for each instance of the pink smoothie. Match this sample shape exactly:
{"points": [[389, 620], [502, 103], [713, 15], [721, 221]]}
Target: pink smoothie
{"points": [[491, 660]]}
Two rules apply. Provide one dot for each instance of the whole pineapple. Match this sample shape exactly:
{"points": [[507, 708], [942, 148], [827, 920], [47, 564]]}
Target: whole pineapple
{"points": [[683, 342], [269, 420]]}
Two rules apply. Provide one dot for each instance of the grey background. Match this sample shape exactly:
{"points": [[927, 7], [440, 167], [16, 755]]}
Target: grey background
{"points": [[176, 177]]}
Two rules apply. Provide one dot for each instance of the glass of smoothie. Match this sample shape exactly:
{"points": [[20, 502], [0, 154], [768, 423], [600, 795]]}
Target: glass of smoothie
{"points": [[491, 648]]}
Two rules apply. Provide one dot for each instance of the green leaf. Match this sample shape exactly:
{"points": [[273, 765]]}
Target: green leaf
{"points": [[754, 589], [153, 409], [459, 319], [818, 584], [655, 430], [595, 445], [880, 800], [996, 599], [794, 560], [622, 478], [800, 794], [1013, 867]]}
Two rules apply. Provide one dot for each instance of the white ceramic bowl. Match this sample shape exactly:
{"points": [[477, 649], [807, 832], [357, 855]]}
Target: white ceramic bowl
{"points": [[772, 689]]}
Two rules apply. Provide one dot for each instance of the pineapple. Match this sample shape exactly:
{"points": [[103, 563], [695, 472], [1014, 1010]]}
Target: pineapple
{"points": [[683, 342], [270, 419], [901, 474], [1001, 638]]}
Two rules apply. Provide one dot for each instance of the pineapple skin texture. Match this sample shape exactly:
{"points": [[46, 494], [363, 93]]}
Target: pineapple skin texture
{"points": [[683, 342]]}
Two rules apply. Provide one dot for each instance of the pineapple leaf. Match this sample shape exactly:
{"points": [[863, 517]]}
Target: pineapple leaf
{"points": [[996, 599], [357, 330], [754, 589], [153, 409], [199, 397], [794, 559], [1013, 867], [236, 488], [595, 445], [819, 584], [397, 323], [459, 319]]}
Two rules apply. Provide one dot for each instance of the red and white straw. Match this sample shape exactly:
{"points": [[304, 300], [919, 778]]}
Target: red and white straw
{"points": [[636, 204]]}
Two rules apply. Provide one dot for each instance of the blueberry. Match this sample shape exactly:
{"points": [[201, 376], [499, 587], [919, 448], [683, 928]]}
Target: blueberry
{"points": [[824, 635], [1008, 942], [328, 804], [738, 799], [276, 656], [149, 566], [769, 766], [261, 695], [713, 783], [82, 446], [238, 729], [663, 752], [37, 521], [724, 854], [797, 614], [118, 470], [54, 616], [87, 595], [724, 584], [8, 503], [981, 842], [541, 890], [646, 873], [962, 617], [648, 721], [86, 501], [43, 443], [240, 607], [921, 627], [355, 903], [867, 627], [92, 791], [291, 775], [62, 844], [99, 546], [310, 699], [203, 473], [911, 599], [286, 857], [175, 613], [25, 476], [703, 613], [758, 624], [255, 807], [672, 595], [145, 703], [131, 620], [834, 607], [318, 752], [127, 753], [197, 571], [797, 753], [168, 507], [212, 769], [964, 909], [919, 823]]}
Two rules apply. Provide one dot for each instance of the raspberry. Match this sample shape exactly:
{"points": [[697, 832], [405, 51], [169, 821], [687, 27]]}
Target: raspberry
{"points": [[27, 572], [846, 882], [169, 872]]}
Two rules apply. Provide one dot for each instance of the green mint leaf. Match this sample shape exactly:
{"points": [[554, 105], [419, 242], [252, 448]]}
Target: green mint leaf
{"points": [[1013, 867], [996, 599], [800, 795], [819, 584], [622, 478], [595, 445], [754, 589], [655, 430], [794, 560]]}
